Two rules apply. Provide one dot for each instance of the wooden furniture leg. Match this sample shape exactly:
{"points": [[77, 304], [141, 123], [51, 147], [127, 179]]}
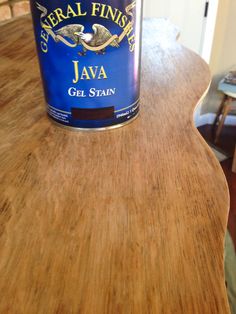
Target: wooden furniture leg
{"points": [[234, 162], [226, 110], [219, 113]]}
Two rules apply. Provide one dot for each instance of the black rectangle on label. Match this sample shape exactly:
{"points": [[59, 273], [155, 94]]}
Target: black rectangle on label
{"points": [[93, 114]]}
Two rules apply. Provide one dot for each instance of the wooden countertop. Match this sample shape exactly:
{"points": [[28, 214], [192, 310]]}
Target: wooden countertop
{"points": [[125, 221]]}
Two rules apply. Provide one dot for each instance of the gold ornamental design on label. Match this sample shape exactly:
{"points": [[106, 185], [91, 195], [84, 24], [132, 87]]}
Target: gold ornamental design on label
{"points": [[96, 42]]}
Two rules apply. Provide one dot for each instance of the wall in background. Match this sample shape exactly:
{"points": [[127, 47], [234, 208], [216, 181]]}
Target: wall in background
{"points": [[223, 56], [187, 15], [13, 8]]}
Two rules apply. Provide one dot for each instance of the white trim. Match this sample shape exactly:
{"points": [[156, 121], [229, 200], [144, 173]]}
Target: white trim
{"points": [[208, 30], [209, 118]]}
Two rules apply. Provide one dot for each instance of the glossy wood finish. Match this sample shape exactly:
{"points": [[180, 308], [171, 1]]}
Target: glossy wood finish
{"points": [[126, 221]]}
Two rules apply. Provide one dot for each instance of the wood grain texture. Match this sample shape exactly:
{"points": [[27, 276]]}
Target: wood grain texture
{"points": [[125, 221]]}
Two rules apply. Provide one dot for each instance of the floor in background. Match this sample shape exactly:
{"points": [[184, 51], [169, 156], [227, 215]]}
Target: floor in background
{"points": [[227, 139], [231, 179], [220, 156], [230, 272], [226, 146]]}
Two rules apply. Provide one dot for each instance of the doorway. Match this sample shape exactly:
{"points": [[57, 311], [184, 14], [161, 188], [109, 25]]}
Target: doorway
{"points": [[196, 20]]}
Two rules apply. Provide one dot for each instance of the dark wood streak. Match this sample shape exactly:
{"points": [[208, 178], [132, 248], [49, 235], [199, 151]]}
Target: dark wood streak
{"points": [[126, 221]]}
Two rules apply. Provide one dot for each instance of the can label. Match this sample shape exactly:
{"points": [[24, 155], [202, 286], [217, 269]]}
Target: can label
{"points": [[89, 55]]}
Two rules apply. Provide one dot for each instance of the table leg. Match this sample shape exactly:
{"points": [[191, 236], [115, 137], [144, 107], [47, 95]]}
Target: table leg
{"points": [[234, 162], [221, 108], [226, 110]]}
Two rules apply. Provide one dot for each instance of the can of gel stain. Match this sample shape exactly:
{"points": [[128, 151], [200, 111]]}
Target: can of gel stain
{"points": [[89, 54]]}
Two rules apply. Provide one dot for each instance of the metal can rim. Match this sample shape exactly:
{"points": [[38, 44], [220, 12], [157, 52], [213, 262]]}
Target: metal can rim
{"points": [[102, 129]]}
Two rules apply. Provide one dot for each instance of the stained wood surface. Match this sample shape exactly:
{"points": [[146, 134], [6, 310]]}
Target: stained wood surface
{"points": [[125, 221]]}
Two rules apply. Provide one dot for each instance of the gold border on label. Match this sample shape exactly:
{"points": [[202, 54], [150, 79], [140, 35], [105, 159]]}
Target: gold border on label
{"points": [[67, 112], [135, 103], [107, 128]]}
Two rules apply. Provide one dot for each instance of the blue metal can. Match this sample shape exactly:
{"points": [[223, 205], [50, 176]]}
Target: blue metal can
{"points": [[89, 54]]}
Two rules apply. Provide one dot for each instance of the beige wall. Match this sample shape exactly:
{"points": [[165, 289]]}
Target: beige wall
{"points": [[223, 56]]}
